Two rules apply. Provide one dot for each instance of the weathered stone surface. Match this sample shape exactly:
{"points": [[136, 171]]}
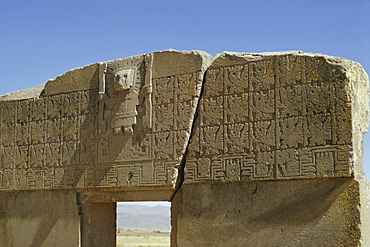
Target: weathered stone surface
{"points": [[120, 123], [365, 212], [79, 79], [33, 92], [269, 213], [171, 62], [39, 218], [279, 116], [266, 150]]}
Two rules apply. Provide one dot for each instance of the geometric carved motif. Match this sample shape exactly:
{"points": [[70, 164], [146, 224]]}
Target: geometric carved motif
{"points": [[133, 135], [41, 137], [276, 118]]}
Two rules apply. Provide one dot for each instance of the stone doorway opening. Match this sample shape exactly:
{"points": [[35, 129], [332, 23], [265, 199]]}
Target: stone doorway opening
{"points": [[143, 223], [98, 213]]}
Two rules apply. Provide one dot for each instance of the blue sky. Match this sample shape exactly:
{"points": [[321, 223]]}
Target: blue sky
{"points": [[42, 39]]}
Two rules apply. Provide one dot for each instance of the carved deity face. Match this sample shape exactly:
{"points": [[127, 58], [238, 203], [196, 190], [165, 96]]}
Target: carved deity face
{"points": [[124, 79]]}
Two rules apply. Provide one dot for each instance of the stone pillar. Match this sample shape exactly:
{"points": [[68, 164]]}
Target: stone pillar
{"points": [[39, 218]]}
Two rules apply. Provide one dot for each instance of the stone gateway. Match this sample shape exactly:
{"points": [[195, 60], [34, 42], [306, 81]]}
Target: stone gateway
{"points": [[251, 149]]}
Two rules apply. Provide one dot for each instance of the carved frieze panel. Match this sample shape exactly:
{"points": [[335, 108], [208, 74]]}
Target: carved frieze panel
{"points": [[262, 105], [7, 179], [34, 144], [279, 164], [180, 137], [21, 179], [131, 130], [319, 130], [279, 117], [261, 75], [162, 111], [88, 126], [289, 71], [268, 117], [212, 140], [262, 135]]}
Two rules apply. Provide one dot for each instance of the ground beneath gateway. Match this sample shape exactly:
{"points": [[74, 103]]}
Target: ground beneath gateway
{"points": [[143, 238]]}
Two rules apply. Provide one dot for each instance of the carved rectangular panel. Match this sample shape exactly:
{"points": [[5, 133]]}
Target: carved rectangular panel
{"points": [[71, 128], [8, 157], [236, 108], [163, 145], [37, 156], [53, 154], [54, 130], [163, 117], [24, 111], [22, 133], [276, 118], [187, 87], [212, 111], [54, 106], [164, 90], [71, 106], [38, 109], [70, 153], [22, 157], [38, 132], [181, 112], [9, 112], [8, 134], [88, 102]]}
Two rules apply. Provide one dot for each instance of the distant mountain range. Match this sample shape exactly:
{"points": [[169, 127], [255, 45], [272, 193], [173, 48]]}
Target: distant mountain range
{"points": [[140, 216]]}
